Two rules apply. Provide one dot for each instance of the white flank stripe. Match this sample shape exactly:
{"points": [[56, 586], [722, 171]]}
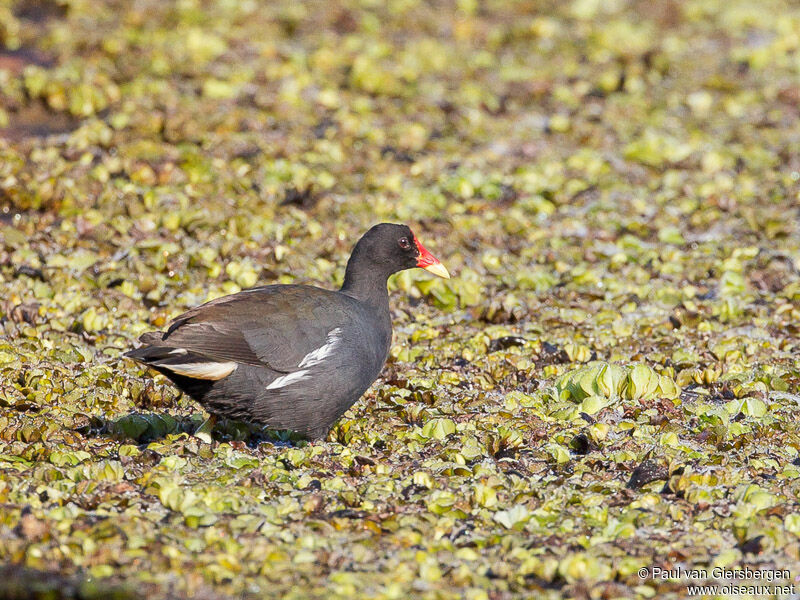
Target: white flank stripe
{"points": [[317, 356], [285, 380], [178, 351], [309, 360], [207, 370]]}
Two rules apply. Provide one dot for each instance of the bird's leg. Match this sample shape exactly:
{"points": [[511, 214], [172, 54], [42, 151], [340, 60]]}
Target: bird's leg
{"points": [[203, 432]]}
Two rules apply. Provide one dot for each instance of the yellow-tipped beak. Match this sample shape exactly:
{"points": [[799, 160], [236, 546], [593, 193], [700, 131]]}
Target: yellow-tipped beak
{"points": [[439, 269], [429, 262]]}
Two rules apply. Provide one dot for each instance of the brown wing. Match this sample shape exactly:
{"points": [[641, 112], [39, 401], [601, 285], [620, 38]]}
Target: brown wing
{"points": [[271, 326]]}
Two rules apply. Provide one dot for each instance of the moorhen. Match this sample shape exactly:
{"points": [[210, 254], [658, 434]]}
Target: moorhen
{"points": [[291, 357]]}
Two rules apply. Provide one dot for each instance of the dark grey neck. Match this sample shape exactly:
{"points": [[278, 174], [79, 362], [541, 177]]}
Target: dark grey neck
{"points": [[367, 285]]}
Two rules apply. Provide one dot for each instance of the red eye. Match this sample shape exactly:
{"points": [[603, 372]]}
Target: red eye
{"points": [[404, 243]]}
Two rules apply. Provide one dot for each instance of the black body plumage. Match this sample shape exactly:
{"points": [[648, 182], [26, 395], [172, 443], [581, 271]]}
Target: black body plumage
{"points": [[288, 356]]}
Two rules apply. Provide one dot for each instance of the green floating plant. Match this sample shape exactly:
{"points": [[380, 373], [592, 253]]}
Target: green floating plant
{"points": [[599, 384]]}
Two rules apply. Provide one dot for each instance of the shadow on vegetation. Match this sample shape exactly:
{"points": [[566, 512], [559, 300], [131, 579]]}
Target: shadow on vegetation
{"points": [[143, 428], [35, 119], [22, 583]]}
